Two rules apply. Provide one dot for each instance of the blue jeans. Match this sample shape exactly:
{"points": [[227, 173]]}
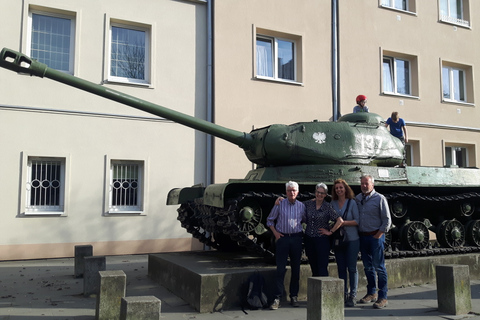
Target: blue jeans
{"points": [[318, 252], [288, 247], [346, 258], [374, 264]]}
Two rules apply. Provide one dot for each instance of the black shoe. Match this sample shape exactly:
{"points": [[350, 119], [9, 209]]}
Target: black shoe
{"points": [[351, 302], [294, 302]]}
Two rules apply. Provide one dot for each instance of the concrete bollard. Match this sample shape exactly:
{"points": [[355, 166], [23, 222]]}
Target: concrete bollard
{"points": [[325, 298], [453, 289], [113, 286], [91, 277], [80, 253], [140, 308]]}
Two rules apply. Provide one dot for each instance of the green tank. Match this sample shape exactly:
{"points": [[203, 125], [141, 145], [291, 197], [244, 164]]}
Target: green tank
{"points": [[424, 201]]}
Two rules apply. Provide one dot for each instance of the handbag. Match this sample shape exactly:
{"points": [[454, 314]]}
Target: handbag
{"points": [[339, 237]]}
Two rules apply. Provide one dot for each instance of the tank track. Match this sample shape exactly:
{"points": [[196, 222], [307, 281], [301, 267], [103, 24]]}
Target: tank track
{"points": [[218, 227]]}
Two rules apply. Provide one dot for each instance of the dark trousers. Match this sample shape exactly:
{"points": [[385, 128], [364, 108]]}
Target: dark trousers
{"points": [[288, 247], [318, 252]]}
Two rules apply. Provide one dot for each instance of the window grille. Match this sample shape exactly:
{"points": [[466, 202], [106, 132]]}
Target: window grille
{"points": [[45, 186], [125, 186]]}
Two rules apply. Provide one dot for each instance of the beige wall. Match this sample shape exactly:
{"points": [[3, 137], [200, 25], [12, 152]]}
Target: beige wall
{"points": [[242, 102], [40, 117]]}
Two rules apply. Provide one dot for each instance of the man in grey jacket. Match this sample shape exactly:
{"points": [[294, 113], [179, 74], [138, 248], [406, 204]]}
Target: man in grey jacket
{"points": [[374, 222]]}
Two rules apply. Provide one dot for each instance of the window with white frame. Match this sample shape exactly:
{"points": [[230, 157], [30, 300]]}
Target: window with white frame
{"points": [[45, 185], [453, 82], [456, 156], [396, 75], [126, 186], [276, 58], [129, 54], [455, 11], [51, 39]]}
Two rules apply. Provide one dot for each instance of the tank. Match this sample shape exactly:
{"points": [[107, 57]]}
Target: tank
{"points": [[434, 209]]}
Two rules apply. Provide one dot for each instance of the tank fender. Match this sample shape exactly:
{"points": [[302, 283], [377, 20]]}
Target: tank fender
{"points": [[181, 195]]}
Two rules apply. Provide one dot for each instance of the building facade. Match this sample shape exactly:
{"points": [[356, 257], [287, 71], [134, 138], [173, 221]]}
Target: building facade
{"points": [[80, 169], [414, 57]]}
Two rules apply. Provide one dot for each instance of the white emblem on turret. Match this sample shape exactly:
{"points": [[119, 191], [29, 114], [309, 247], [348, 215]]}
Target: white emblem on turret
{"points": [[319, 137]]}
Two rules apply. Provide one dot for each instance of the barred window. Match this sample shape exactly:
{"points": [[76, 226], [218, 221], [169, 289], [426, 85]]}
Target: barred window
{"points": [[45, 185], [126, 186]]}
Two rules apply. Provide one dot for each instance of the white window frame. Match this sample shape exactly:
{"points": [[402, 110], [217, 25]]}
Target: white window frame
{"points": [[147, 60], [52, 14], [138, 207], [392, 78], [44, 185], [274, 58], [445, 7], [450, 82], [393, 4], [451, 156]]}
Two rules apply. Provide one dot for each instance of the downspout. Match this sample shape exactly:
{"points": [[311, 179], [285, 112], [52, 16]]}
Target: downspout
{"points": [[335, 93], [209, 146]]}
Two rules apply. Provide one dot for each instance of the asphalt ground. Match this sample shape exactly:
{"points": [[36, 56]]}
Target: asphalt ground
{"points": [[47, 289]]}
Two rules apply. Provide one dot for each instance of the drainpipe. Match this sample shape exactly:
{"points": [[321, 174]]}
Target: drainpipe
{"points": [[335, 93], [209, 146]]}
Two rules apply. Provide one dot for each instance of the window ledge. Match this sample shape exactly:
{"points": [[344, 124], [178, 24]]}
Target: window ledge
{"points": [[456, 22], [398, 10], [268, 79], [126, 83], [468, 104], [44, 213], [123, 213], [400, 95]]}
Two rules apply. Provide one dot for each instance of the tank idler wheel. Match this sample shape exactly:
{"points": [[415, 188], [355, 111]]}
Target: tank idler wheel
{"points": [[250, 215], [451, 234], [466, 209], [415, 235], [473, 233], [398, 209]]}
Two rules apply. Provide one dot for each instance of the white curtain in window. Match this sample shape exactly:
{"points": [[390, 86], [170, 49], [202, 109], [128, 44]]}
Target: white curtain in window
{"points": [[263, 66], [387, 77]]}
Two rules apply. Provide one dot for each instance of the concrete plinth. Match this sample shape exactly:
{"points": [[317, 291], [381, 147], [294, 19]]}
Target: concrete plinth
{"points": [[453, 289], [80, 253], [91, 277], [325, 298], [213, 281], [140, 308], [113, 286]]}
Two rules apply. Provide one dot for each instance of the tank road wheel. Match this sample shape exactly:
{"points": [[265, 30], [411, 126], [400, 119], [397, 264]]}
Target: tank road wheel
{"points": [[473, 233], [415, 235], [388, 239], [398, 209], [451, 234]]}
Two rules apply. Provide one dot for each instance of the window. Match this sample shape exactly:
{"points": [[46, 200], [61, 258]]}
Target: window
{"points": [[457, 83], [412, 152], [51, 39], [456, 156], [453, 84], [126, 186], [396, 76], [45, 185], [396, 4], [277, 56], [455, 11], [129, 54]]}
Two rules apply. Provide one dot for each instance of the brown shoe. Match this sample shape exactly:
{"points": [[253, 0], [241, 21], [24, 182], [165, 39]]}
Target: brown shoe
{"points": [[380, 304], [368, 298]]}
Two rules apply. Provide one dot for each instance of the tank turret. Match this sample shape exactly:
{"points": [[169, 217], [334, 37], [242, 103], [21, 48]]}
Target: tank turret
{"points": [[423, 200]]}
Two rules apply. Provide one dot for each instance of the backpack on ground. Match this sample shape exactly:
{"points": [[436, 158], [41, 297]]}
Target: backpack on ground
{"points": [[256, 297]]}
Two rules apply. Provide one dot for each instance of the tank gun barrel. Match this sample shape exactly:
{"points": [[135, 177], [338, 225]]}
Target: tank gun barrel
{"points": [[23, 64]]}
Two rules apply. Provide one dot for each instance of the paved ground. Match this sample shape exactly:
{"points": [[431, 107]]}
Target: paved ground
{"points": [[47, 289]]}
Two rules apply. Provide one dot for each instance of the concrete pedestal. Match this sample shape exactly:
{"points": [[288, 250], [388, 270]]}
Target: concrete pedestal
{"points": [[140, 308], [325, 298], [453, 289], [113, 286], [91, 277], [80, 253]]}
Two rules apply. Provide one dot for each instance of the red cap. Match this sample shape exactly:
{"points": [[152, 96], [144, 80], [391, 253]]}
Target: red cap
{"points": [[361, 97]]}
